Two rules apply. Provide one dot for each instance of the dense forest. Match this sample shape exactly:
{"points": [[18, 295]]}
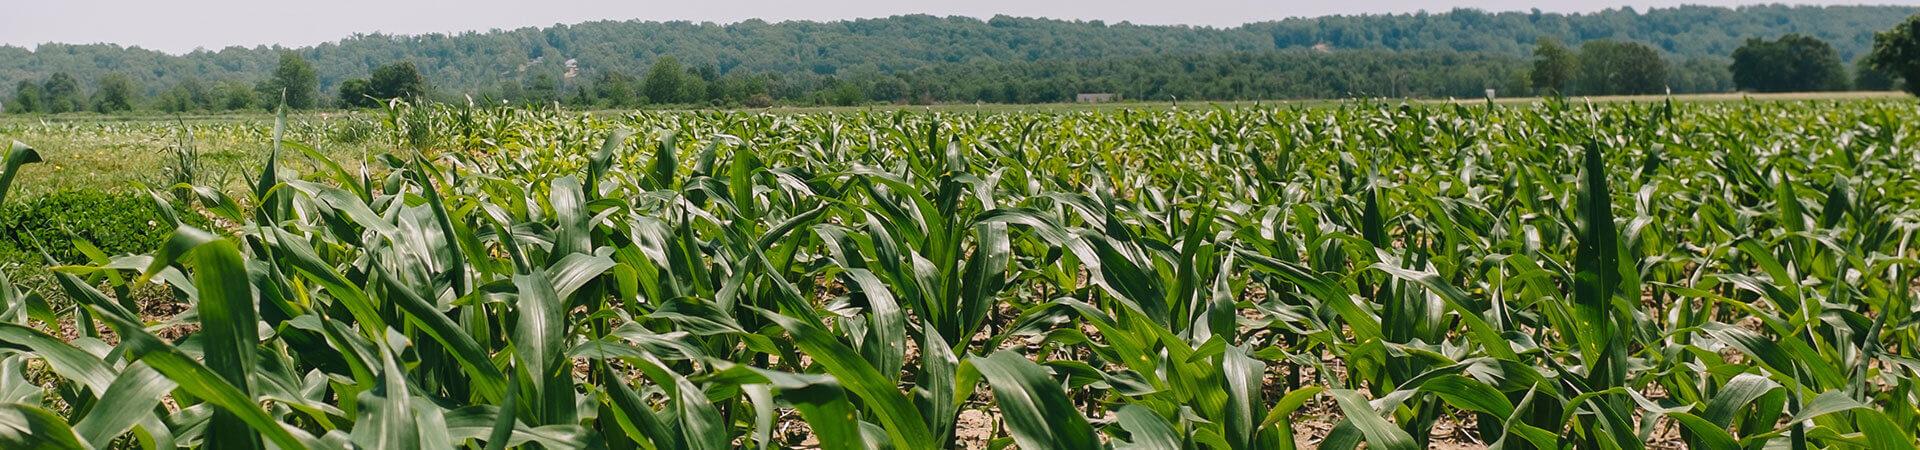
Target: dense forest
{"points": [[946, 59], [1686, 31]]}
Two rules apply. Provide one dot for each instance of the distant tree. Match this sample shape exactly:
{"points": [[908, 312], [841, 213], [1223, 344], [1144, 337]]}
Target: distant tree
{"points": [[187, 95], [543, 90], [1792, 63], [174, 100], [117, 93], [398, 80], [891, 89], [693, 87], [63, 94], [964, 57], [845, 94], [741, 90], [1620, 68], [1866, 78], [193, 95], [1553, 65], [202, 95], [1897, 52], [582, 98], [715, 86], [614, 89], [509, 91], [1706, 74], [232, 95], [293, 80], [27, 98], [663, 81], [358, 93]]}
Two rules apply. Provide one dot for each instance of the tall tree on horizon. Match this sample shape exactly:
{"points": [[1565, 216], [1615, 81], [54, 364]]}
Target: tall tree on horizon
{"points": [[1897, 52], [614, 89], [1792, 63], [398, 80], [293, 80], [63, 94], [1553, 65], [542, 90], [1868, 78], [1609, 67], [27, 98], [232, 95], [117, 93], [663, 81], [358, 93]]}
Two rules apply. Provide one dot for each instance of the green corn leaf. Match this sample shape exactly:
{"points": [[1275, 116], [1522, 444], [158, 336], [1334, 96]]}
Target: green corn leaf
{"points": [[65, 360], [387, 415], [1245, 378], [1037, 412], [934, 388], [503, 422], [538, 337], [1149, 431], [1882, 433], [20, 155], [633, 415], [1469, 394], [603, 160], [1735, 396], [133, 395], [423, 175], [896, 413], [29, 427], [206, 384], [1597, 279], [228, 326], [827, 405], [666, 161], [985, 276], [1704, 431], [1378, 432]]}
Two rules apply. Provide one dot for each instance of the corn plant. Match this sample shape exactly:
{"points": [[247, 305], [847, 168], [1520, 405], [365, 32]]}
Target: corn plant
{"points": [[1543, 276]]}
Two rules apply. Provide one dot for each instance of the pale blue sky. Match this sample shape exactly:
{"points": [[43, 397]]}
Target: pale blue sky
{"points": [[178, 26]]}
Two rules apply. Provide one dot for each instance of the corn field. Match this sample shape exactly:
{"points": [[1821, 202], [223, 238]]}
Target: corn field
{"points": [[1559, 275]]}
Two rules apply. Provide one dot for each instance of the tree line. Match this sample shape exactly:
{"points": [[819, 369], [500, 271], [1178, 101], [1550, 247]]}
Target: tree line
{"points": [[293, 80], [1789, 63], [478, 61], [1792, 62]]}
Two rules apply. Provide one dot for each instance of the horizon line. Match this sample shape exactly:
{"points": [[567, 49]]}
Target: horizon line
{"points": [[493, 30]]}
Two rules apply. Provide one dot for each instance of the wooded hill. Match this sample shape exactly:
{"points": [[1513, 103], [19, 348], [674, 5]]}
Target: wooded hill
{"points": [[805, 53]]}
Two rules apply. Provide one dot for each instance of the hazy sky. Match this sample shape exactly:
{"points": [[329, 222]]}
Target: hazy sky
{"points": [[179, 26]]}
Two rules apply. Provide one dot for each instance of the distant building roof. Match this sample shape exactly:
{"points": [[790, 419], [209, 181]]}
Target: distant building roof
{"points": [[1095, 97]]}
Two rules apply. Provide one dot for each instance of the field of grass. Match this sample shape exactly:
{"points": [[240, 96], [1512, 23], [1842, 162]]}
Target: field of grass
{"points": [[109, 153], [1552, 275]]}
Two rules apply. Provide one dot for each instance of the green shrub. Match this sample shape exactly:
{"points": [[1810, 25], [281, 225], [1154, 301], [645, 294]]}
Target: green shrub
{"points": [[351, 131], [117, 223]]}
